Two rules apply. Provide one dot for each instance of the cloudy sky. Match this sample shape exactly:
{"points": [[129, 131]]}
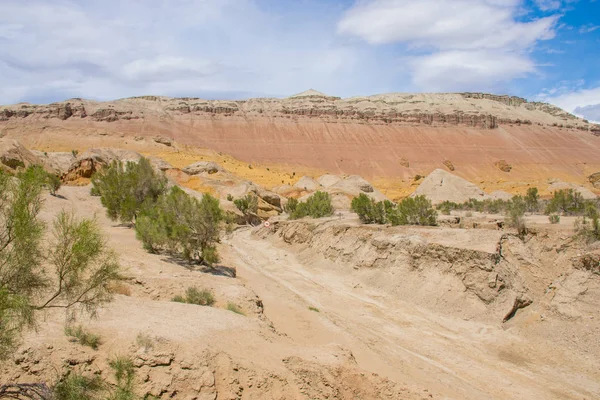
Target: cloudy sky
{"points": [[539, 49]]}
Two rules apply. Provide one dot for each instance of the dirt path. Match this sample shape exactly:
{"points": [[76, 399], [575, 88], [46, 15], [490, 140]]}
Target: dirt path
{"points": [[451, 357]]}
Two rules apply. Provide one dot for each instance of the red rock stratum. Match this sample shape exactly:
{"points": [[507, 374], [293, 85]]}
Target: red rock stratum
{"points": [[375, 136]]}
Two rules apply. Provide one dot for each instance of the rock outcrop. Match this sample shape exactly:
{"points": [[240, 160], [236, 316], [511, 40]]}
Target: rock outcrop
{"points": [[395, 108], [595, 180], [14, 156], [503, 166], [93, 160], [59, 162], [200, 167], [440, 186]]}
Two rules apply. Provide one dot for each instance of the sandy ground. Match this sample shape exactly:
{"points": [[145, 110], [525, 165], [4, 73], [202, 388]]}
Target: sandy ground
{"points": [[452, 357], [304, 316]]}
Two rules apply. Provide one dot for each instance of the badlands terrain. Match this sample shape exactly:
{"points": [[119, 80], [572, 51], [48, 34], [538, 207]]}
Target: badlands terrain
{"points": [[331, 308]]}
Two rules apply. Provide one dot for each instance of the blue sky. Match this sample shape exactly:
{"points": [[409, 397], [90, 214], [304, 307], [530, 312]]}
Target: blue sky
{"points": [[539, 49]]}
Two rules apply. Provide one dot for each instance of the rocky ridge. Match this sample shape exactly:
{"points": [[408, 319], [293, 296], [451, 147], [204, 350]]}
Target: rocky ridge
{"points": [[480, 110]]}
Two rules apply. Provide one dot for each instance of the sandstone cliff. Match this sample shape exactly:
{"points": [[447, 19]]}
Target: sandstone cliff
{"points": [[389, 135]]}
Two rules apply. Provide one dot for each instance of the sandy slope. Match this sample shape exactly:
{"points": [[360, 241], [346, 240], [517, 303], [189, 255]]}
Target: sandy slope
{"points": [[452, 357]]}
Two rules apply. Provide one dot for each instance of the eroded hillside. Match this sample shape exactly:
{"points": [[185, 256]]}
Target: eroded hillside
{"points": [[500, 142]]}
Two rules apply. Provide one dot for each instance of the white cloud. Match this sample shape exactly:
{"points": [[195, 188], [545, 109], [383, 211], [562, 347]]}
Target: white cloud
{"points": [[238, 48], [571, 99], [225, 48], [546, 5], [445, 24], [470, 42], [588, 28], [447, 70]]}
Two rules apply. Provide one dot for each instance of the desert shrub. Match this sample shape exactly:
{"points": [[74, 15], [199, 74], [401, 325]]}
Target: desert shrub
{"points": [[53, 182], [78, 387], [316, 206], [182, 224], [588, 227], [74, 153], [413, 211], [315, 309], [83, 337], [554, 218], [178, 299], [516, 215], [291, 205], [229, 197], [46, 179], [124, 372], [484, 206], [199, 297], [566, 202], [369, 211], [247, 204], [235, 308], [72, 272], [196, 296], [532, 199], [126, 188]]}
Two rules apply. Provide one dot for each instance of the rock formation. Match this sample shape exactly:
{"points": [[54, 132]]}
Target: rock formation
{"points": [[440, 186]]}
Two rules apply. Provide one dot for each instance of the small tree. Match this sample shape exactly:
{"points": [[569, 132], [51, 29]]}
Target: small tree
{"points": [[291, 205], [248, 205], [125, 188], [588, 227], [516, 215], [413, 211], [182, 224], [316, 206], [369, 211], [566, 202], [532, 199], [73, 272], [53, 182]]}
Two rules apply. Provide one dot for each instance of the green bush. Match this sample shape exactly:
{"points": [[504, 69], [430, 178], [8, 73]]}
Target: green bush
{"points": [[196, 296], [516, 215], [83, 337], [316, 206], [532, 199], [413, 211], [554, 218], [588, 227], [247, 204], [199, 297], [127, 188], [124, 372], [566, 202], [74, 270], [182, 224], [291, 205], [75, 386], [78, 387], [369, 211]]}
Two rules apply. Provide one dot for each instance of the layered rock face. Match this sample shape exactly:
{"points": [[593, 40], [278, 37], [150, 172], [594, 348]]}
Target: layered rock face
{"points": [[389, 135], [470, 109]]}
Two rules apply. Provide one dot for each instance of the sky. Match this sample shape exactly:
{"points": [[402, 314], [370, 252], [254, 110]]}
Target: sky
{"points": [[545, 50]]}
